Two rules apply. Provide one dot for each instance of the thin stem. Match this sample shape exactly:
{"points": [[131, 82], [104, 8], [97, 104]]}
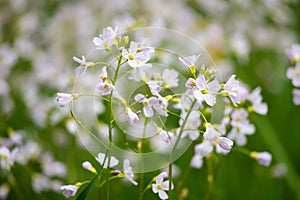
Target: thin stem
{"points": [[142, 194], [210, 177], [175, 145]]}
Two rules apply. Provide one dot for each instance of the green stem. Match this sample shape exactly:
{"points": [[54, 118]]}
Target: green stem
{"points": [[110, 123], [142, 194], [210, 177], [175, 145]]}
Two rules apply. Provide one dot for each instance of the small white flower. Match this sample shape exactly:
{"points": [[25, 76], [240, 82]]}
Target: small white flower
{"points": [[147, 104], [293, 53], [191, 83], [101, 157], [256, 99], [231, 88], [293, 73], [205, 91], [106, 39], [83, 65], [263, 158], [223, 144], [136, 56], [128, 172], [69, 190], [63, 99], [132, 117], [161, 186], [189, 60]]}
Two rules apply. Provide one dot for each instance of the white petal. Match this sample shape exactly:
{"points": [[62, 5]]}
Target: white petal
{"points": [[162, 194], [210, 99], [198, 95]]}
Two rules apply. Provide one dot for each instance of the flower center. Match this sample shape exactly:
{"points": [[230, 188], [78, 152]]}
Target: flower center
{"points": [[159, 187], [131, 57], [204, 91]]}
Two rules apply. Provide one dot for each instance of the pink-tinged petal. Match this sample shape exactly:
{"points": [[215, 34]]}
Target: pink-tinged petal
{"points": [[204, 148], [211, 133], [213, 86], [210, 99], [193, 135], [240, 140], [97, 41], [154, 188], [153, 101], [191, 83], [165, 185], [225, 144], [160, 178], [290, 73], [201, 82], [296, 96], [148, 111], [197, 161], [139, 97], [261, 108], [162, 194], [142, 57], [198, 95]]}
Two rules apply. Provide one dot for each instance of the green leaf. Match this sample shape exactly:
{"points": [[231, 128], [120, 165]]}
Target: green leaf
{"points": [[88, 188]]}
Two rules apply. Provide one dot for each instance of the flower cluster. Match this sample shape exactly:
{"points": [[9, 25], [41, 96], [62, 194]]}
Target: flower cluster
{"points": [[202, 92], [293, 72]]}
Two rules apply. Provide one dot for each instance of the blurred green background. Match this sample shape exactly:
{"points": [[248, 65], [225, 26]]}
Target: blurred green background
{"points": [[250, 38]]}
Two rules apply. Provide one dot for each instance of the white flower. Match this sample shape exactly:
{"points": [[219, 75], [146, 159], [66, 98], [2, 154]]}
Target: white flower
{"points": [[104, 86], [170, 78], [160, 105], [190, 60], [205, 91], [106, 39], [147, 104], [231, 88], [296, 96], [263, 158], [132, 117], [212, 138], [293, 53], [293, 73], [128, 172], [256, 99], [83, 65], [135, 55], [101, 157], [63, 99], [69, 190], [161, 186], [239, 132], [191, 83], [7, 157]]}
